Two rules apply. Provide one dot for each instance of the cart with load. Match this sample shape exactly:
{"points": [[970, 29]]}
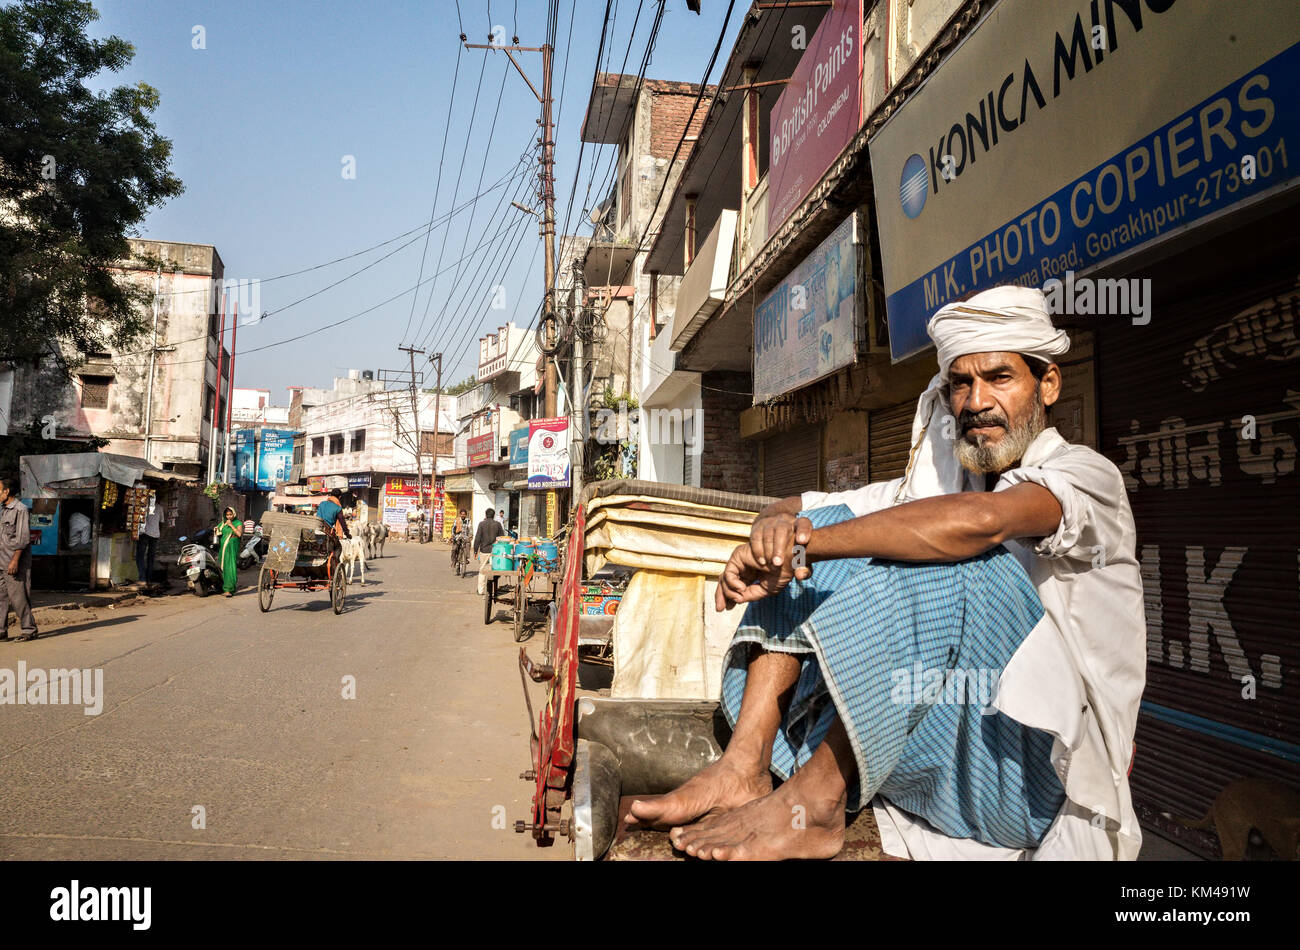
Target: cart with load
{"points": [[302, 554], [524, 576]]}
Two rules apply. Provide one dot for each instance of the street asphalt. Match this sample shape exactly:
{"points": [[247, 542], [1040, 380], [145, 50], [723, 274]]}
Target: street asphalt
{"points": [[210, 704]]}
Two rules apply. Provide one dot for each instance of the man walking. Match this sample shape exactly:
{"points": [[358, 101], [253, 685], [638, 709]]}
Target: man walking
{"points": [[489, 529], [16, 562]]}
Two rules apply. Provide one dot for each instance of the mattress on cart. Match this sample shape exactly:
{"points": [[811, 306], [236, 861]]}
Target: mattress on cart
{"points": [[291, 534], [669, 641]]}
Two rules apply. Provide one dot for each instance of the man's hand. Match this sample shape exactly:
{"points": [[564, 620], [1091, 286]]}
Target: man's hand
{"points": [[12, 569], [773, 537], [744, 579]]}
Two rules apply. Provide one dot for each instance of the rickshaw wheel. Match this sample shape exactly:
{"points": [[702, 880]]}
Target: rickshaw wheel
{"points": [[521, 604], [338, 588], [265, 588]]}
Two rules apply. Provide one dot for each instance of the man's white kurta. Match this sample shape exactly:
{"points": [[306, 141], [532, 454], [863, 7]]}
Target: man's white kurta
{"points": [[1078, 675]]}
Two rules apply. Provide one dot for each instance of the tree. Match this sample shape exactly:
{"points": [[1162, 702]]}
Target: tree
{"points": [[464, 386], [79, 170]]}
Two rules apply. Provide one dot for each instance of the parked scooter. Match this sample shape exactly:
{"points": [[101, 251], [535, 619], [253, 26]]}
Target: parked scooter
{"points": [[255, 548], [200, 564]]}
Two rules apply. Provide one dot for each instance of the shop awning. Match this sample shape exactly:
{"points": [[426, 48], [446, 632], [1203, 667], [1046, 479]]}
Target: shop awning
{"points": [[42, 476], [296, 500], [458, 483]]}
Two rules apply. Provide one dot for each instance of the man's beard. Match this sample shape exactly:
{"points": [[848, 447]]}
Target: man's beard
{"points": [[985, 458]]}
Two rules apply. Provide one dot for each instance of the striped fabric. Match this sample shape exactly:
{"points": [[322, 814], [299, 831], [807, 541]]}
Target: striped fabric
{"points": [[907, 656]]}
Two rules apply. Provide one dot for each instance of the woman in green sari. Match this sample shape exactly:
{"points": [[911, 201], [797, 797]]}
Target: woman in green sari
{"points": [[232, 529]]}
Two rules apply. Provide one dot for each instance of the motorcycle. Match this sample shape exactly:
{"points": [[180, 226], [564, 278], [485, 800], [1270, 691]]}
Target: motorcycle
{"points": [[255, 548], [200, 564]]}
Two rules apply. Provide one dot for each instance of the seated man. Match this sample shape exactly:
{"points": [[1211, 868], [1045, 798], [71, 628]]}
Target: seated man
{"points": [[330, 511], [963, 647]]}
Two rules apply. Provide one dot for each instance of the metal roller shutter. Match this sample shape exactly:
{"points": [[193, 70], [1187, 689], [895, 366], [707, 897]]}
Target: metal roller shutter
{"points": [[791, 462], [1216, 525], [890, 435]]}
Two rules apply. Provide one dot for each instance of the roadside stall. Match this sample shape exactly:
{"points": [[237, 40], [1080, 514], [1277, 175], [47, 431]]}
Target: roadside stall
{"points": [[87, 508]]}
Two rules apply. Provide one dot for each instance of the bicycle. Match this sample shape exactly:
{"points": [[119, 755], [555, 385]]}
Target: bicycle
{"points": [[460, 555]]}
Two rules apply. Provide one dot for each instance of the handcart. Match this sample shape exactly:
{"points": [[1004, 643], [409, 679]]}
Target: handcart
{"points": [[303, 554], [659, 721], [521, 589]]}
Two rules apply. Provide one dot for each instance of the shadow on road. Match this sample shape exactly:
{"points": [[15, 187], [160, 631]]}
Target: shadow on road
{"points": [[49, 633]]}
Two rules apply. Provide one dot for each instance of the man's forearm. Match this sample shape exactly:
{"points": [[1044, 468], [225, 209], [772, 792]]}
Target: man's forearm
{"points": [[786, 506], [932, 530], [943, 528]]}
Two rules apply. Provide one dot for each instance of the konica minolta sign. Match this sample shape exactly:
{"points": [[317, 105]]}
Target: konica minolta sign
{"points": [[1058, 136]]}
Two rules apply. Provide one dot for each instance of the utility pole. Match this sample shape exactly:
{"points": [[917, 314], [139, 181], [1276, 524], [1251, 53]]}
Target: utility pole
{"points": [[230, 393], [436, 360], [216, 402], [415, 409], [546, 182], [153, 353]]}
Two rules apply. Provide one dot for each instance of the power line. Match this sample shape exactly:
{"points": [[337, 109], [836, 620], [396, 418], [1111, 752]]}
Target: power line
{"points": [[459, 172], [437, 189]]}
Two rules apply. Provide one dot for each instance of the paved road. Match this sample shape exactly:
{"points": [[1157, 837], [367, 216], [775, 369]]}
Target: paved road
{"points": [[212, 703]]}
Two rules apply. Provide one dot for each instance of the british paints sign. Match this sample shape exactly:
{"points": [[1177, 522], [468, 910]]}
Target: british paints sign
{"points": [[818, 113], [548, 453]]}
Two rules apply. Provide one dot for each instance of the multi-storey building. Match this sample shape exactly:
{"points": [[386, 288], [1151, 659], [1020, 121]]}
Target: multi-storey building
{"points": [[156, 400]]}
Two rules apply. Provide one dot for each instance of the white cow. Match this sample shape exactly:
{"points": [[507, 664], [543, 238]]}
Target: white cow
{"points": [[353, 552], [375, 534]]}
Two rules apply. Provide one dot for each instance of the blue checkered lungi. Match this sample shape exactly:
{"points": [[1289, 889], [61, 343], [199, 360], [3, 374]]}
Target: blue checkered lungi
{"points": [[906, 655]]}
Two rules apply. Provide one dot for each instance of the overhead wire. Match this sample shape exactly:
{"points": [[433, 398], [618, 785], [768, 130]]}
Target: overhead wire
{"points": [[437, 188]]}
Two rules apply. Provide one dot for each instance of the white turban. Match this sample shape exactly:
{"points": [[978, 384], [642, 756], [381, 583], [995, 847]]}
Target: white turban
{"points": [[1001, 320]]}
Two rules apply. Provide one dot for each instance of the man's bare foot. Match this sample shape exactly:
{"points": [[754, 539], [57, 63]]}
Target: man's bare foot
{"points": [[719, 786], [795, 821]]}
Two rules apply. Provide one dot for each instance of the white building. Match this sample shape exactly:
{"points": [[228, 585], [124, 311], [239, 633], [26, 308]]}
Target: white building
{"points": [[368, 434]]}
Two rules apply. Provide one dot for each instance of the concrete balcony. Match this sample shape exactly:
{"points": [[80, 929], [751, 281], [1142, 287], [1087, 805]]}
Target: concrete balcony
{"points": [[704, 286], [755, 235]]}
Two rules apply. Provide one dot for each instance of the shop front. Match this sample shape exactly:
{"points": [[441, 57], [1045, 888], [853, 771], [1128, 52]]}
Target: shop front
{"points": [[87, 509], [1164, 229]]}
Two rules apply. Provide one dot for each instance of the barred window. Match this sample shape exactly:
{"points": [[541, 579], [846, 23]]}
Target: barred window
{"points": [[358, 440], [318, 446], [336, 444], [94, 391]]}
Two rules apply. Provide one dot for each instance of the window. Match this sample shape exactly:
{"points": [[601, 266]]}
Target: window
{"points": [[358, 440], [318, 446], [336, 444], [94, 391]]}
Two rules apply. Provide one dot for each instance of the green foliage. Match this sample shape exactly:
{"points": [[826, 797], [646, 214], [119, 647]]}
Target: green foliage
{"points": [[612, 400], [464, 386], [79, 170]]}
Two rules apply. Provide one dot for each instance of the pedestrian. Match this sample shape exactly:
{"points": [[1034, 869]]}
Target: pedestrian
{"points": [[232, 529], [489, 529], [146, 546], [16, 562]]}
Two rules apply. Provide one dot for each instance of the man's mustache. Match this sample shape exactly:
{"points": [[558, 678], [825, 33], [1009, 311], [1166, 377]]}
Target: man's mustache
{"points": [[989, 417]]}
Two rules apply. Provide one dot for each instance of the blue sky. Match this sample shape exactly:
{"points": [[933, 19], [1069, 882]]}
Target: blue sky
{"points": [[263, 117]]}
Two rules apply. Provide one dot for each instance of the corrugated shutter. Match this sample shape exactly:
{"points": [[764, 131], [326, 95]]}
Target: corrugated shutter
{"points": [[1216, 522], [791, 462], [890, 439]]}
